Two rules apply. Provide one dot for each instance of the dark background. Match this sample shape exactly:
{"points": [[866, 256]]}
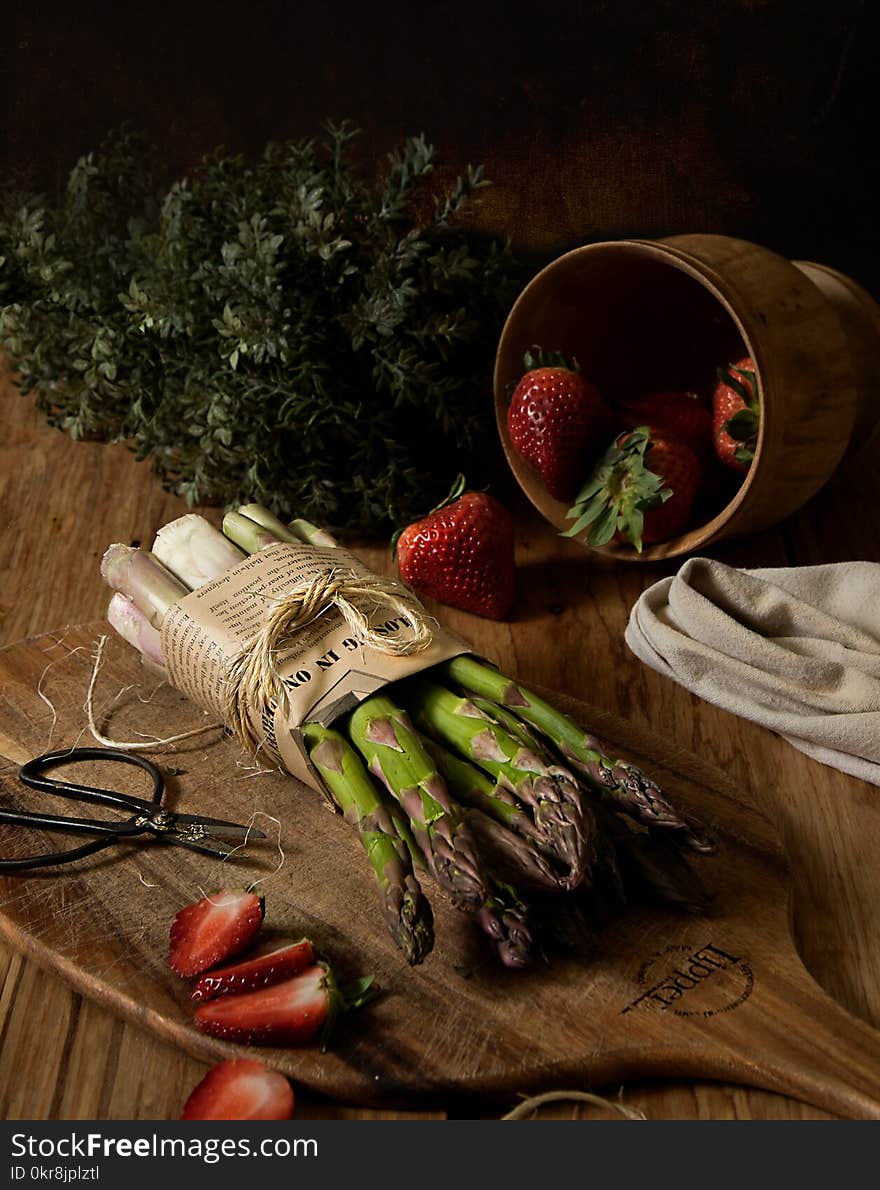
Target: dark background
{"points": [[595, 120]]}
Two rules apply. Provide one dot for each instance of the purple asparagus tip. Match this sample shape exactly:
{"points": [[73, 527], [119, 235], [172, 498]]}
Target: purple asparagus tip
{"points": [[381, 731]]}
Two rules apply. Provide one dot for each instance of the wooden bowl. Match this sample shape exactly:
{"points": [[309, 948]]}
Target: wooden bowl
{"points": [[641, 314]]}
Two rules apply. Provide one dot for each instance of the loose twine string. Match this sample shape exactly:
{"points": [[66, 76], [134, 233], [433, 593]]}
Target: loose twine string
{"points": [[143, 745], [529, 1106], [253, 682]]}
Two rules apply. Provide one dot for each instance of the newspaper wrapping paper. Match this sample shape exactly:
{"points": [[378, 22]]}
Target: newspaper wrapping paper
{"points": [[327, 671]]}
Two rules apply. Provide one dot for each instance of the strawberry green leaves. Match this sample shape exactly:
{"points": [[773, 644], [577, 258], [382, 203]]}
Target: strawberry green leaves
{"points": [[743, 426], [737, 414], [537, 357], [618, 493]]}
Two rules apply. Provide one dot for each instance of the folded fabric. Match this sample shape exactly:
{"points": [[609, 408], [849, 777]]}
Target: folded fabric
{"points": [[796, 649]]}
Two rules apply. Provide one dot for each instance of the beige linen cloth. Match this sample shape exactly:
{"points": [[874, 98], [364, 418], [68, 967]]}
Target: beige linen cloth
{"points": [[796, 649]]}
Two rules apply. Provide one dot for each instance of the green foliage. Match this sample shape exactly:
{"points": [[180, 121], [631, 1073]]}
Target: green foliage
{"points": [[281, 332]]}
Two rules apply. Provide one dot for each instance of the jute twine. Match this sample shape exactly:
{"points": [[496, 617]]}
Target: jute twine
{"points": [[253, 682], [529, 1106], [145, 743]]}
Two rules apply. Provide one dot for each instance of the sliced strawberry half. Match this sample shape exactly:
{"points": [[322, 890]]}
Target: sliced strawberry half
{"points": [[272, 966], [216, 928], [293, 1012], [241, 1090]]}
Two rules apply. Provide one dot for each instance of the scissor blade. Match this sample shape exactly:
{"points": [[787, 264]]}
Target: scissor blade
{"points": [[219, 828], [202, 849]]}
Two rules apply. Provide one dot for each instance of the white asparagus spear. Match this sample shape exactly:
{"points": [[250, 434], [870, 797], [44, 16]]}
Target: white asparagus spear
{"points": [[126, 618], [194, 550], [144, 580]]}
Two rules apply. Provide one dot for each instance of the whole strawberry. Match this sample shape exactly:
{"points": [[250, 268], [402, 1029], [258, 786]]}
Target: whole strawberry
{"points": [[680, 415], [557, 421], [461, 554], [642, 490], [736, 415], [679, 468]]}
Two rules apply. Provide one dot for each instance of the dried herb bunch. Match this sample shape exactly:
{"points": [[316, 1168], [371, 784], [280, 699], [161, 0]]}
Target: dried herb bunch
{"points": [[283, 331]]}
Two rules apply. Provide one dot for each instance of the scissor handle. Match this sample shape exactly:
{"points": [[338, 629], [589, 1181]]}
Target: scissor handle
{"points": [[31, 774], [77, 826], [56, 857]]}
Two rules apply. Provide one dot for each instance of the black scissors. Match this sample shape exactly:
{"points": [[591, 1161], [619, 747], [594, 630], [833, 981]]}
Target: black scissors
{"points": [[147, 816]]}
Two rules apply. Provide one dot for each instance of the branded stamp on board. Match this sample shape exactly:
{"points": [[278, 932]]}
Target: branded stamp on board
{"points": [[686, 982]]}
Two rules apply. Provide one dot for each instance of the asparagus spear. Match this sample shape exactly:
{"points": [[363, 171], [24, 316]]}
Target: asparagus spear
{"points": [[313, 534], [528, 738], [407, 910], [502, 830], [600, 847], [136, 574], [253, 528], [511, 856], [189, 550], [391, 845], [298, 530], [626, 786], [553, 803], [384, 736], [503, 915], [194, 551], [250, 536], [517, 728], [187, 553], [472, 787], [135, 628]]}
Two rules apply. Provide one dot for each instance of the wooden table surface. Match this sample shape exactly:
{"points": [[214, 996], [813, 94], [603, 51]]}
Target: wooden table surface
{"points": [[63, 502]]}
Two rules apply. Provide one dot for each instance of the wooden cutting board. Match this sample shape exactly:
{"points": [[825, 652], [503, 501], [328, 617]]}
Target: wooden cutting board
{"points": [[718, 996]]}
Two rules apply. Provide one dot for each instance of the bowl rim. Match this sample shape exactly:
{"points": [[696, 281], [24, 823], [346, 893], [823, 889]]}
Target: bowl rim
{"points": [[555, 510]]}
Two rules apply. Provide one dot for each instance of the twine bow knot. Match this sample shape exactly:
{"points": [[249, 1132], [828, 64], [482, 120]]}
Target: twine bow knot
{"points": [[253, 679]]}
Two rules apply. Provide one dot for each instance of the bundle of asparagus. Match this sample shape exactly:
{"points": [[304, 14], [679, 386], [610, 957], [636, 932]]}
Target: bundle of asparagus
{"points": [[460, 773]]}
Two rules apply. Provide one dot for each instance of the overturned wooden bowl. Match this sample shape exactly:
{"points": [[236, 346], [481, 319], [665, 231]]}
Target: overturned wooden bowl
{"points": [[640, 314]]}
